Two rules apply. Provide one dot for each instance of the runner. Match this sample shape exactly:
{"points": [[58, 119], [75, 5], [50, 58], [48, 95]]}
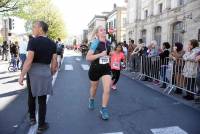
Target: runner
{"points": [[60, 50], [117, 63], [100, 68]]}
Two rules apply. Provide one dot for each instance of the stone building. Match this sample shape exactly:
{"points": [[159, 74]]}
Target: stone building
{"points": [[96, 21], [116, 23], [163, 20]]}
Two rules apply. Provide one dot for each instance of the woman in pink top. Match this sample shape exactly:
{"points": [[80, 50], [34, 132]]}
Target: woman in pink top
{"points": [[117, 62]]}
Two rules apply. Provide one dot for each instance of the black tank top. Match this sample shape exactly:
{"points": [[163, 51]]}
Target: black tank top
{"points": [[102, 46]]}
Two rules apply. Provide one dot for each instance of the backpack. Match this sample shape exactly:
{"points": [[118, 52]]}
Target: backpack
{"points": [[59, 49]]}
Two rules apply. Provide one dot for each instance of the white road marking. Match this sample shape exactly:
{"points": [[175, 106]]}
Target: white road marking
{"points": [[85, 67], [69, 67], [115, 133], [33, 129], [168, 130]]}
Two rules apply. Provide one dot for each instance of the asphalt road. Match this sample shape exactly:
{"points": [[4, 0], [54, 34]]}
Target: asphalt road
{"points": [[134, 108]]}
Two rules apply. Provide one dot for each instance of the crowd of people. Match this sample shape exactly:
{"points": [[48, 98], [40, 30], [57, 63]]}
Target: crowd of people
{"points": [[155, 63], [15, 52], [41, 58]]}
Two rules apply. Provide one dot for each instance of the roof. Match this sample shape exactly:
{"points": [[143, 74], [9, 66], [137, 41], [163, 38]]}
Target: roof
{"points": [[115, 10], [97, 17]]}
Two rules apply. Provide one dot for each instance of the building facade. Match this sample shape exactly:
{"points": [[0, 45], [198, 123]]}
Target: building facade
{"points": [[85, 35], [116, 24], [96, 21], [163, 20]]}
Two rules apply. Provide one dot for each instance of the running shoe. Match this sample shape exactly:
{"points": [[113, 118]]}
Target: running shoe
{"points": [[91, 104], [104, 113], [114, 87]]}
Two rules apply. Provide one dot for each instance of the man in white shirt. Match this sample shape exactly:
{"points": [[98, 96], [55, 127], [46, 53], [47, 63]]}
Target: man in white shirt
{"points": [[23, 51]]}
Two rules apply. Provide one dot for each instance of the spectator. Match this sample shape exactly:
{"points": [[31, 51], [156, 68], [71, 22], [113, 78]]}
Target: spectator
{"points": [[1, 49], [14, 51], [5, 48], [126, 45], [131, 58], [153, 63], [177, 55], [140, 49], [164, 62], [190, 68], [198, 74], [125, 50], [22, 51], [153, 49], [41, 64]]}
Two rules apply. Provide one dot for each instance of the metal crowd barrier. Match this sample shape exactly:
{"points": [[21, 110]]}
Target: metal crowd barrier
{"points": [[175, 73], [134, 63]]}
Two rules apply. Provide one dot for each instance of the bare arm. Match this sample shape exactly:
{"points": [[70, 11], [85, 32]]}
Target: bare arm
{"points": [[28, 63], [91, 56], [27, 66], [54, 64]]}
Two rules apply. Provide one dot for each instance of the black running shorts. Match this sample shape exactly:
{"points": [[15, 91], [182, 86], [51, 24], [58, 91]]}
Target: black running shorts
{"points": [[96, 71]]}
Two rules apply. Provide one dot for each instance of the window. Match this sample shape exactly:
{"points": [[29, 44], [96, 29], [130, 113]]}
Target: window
{"points": [[124, 22], [107, 27], [143, 35], [110, 24], [181, 2], [160, 8], [157, 34], [115, 24], [177, 32], [146, 14]]}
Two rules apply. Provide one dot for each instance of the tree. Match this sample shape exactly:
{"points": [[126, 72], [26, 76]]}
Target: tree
{"points": [[43, 10], [8, 5]]}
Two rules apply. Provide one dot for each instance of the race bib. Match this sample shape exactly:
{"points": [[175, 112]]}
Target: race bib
{"points": [[116, 65], [104, 60]]}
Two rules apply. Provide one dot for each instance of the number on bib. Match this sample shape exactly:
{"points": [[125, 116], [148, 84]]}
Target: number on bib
{"points": [[104, 60]]}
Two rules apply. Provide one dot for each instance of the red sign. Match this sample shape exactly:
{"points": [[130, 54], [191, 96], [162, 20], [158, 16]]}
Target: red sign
{"points": [[111, 30]]}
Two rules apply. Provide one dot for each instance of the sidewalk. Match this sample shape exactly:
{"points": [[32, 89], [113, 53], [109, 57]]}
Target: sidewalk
{"points": [[13, 99], [151, 85]]}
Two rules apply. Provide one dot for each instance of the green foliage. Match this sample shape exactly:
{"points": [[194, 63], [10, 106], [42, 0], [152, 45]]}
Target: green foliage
{"points": [[34, 10], [1, 40], [8, 5]]}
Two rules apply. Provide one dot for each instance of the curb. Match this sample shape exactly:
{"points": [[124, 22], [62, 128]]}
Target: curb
{"points": [[177, 98]]}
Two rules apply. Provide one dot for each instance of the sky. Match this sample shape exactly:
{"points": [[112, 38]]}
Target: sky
{"points": [[78, 13]]}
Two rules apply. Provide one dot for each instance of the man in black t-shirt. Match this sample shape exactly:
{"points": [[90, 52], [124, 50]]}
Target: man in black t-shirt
{"points": [[41, 65]]}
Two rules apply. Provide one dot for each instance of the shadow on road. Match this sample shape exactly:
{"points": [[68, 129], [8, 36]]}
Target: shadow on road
{"points": [[16, 92], [3, 72], [15, 113], [8, 77]]}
